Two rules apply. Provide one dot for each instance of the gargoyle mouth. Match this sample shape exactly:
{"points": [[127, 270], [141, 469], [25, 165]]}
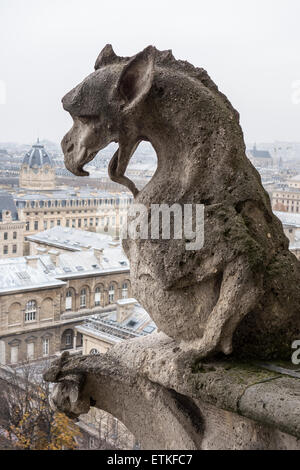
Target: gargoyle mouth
{"points": [[75, 162]]}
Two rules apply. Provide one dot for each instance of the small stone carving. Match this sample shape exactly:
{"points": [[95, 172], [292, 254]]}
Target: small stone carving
{"points": [[241, 292]]}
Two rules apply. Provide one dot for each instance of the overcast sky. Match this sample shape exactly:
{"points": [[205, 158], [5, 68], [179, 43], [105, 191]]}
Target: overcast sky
{"points": [[249, 47]]}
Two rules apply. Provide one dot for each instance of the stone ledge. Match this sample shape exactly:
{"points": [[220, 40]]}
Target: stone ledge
{"points": [[153, 387], [267, 397]]}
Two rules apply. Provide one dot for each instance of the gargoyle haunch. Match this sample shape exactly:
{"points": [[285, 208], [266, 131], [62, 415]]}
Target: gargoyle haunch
{"points": [[241, 291]]}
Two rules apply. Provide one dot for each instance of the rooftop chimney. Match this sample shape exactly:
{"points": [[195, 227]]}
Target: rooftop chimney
{"points": [[98, 252], [54, 256], [32, 261], [125, 308]]}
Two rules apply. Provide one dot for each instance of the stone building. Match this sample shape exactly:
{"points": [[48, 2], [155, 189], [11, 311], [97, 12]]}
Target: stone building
{"points": [[44, 297], [294, 182], [126, 321], [260, 158], [286, 199], [37, 170], [38, 204], [85, 209], [291, 228], [11, 228]]}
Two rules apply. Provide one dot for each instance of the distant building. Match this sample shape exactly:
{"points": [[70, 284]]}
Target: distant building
{"points": [[294, 182], [285, 200], [128, 320], [37, 171], [85, 209], [43, 298], [260, 158], [11, 228], [291, 228]]}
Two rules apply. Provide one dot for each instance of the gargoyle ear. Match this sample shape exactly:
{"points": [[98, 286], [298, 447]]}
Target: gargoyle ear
{"points": [[106, 56], [137, 77]]}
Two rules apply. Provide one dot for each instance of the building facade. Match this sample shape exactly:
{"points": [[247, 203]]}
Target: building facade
{"points": [[127, 320], [44, 297], [11, 228], [291, 228], [260, 158], [286, 200], [37, 171]]}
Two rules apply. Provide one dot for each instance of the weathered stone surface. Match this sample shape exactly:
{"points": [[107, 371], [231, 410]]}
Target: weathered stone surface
{"points": [[216, 405], [241, 291]]}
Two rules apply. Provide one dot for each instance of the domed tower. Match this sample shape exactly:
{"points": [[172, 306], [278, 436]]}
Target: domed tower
{"points": [[37, 171]]}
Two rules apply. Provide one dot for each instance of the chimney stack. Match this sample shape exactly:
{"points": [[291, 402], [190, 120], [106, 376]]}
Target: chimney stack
{"points": [[125, 309], [98, 253], [32, 261], [54, 256]]}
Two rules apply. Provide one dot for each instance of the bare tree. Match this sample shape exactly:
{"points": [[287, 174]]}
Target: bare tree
{"points": [[26, 416]]}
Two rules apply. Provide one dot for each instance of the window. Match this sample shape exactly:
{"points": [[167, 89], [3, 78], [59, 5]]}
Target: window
{"points": [[27, 226], [51, 223], [46, 348], [73, 223], [83, 298], [124, 290], [68, 223], [14, 249], [91, 222], [79, 222], [68, 339], [14, 352], [5, 235], [15, 235], [30, 351], [45, 224], [69, 300], [36, 225], [94, 352], [58, 223], [111, 294], [30, 311], [5, 250], [85, 222], [97, 296]]}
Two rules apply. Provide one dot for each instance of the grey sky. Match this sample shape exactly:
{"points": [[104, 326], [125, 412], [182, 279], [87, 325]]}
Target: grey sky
{"points": [[250, 49]]}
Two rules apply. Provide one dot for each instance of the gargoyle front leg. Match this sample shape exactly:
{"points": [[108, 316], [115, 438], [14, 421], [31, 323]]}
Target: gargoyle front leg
{"points": [[118, 165], [239, 294]]}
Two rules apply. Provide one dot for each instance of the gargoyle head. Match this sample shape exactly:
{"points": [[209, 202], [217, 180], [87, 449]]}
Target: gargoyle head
{"points": [[66, 395], [101, 105]]}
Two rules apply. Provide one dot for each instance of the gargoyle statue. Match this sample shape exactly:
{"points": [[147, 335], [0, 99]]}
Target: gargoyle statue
{"points": [[241, 292]]}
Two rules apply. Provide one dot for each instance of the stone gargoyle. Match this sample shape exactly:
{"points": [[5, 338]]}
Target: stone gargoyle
{"points": [[241, 292]]}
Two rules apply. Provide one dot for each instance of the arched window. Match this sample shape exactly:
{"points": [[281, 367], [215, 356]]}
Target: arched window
{"points": [[69, 300], [97, 296], [67, 339], [94, 352], [124, 290], [30, 311], [83, 298], [111, 294]]}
